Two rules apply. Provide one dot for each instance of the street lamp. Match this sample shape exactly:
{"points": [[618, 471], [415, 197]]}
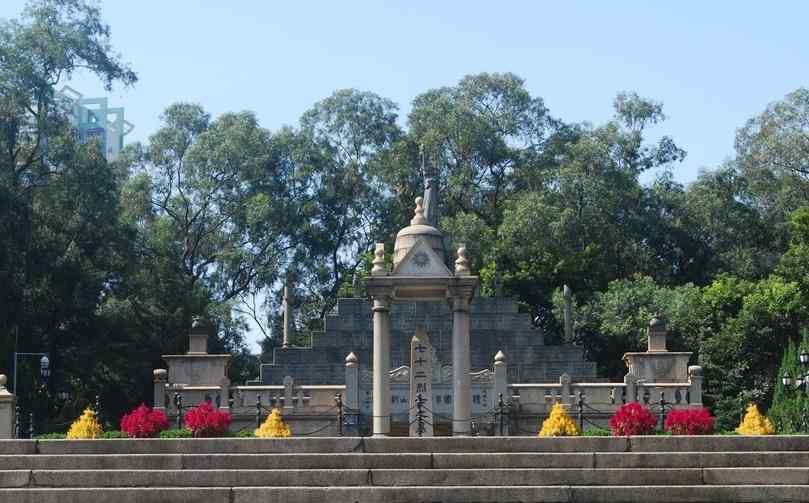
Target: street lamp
{"points": [[786, 379], [44, 365], [798, 381]]}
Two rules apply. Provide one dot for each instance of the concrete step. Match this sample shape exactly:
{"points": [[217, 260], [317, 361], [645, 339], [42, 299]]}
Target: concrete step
{"points": [[717, 443], [403, 460], [445, 494], [398, 477]]}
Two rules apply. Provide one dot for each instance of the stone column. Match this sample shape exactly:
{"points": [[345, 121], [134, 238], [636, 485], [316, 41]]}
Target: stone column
{"points": [[568, 295], [461, 380], [695, 385], [161, 379], [630, 388], [289, 397], [500, 377], [287, 317], [564, 388], [6, 410], [381, 397], [352, 399]]}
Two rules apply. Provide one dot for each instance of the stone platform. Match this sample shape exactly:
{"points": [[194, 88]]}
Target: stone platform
{"points": [[496, 325], [503, 469]]}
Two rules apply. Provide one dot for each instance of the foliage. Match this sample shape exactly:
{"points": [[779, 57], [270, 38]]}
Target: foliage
{"points": [[632, 419], [104, 264], [114, 434], [86, 426], [175, 433], [274, 426], [690, 421], [559, 424], [51, 436], [789, 411], [144, 422], [755, 423], [205, 420], [245, 434], [596, 432]]}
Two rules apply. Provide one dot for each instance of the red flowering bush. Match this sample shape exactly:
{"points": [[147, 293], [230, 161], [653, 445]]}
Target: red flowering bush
{"points": [[632, 419], [694, 421], [144, 422], [205, 420]]}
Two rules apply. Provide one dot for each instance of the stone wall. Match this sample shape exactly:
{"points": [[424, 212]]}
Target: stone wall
{"points": [[496, 325]]}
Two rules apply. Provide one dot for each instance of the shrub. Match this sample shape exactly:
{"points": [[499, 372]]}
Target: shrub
{"points": [[205, 420], [632, 419], [274, 426], [144, 422], [755, 423], [86, 426], [114, 434], [175, 433], [245, 434], [596, 432], [693, 421], [559, 424], [50, 436]]}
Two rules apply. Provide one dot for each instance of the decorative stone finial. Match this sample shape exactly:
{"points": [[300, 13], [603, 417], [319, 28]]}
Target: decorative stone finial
{"points": [[352, 360], [462, 263], [419, 219], [658, 321], [657, 333], [197, 323], [499, 359], [694, 370], [379, 260], [160, 375]]}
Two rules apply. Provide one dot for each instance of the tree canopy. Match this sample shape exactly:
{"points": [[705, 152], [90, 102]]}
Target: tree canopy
{"points": [[103, 264]]}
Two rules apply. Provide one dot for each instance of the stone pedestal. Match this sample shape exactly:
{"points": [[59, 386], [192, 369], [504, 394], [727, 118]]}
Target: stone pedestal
{"points": [[658, 366], [7, 403]]}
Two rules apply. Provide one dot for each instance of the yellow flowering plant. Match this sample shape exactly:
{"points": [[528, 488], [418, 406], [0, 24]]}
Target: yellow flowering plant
{"points": [[274, 426], [559, 424], [755, 423], [86, 426]]}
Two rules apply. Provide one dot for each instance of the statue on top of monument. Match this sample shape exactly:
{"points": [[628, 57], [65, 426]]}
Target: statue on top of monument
{"points": [[430, 193]]}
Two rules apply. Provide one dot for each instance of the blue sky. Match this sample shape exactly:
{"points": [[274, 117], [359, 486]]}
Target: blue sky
{"points": [[712, 64]]}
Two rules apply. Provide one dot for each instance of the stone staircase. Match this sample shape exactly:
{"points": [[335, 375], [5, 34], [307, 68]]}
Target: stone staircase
{"points": [[391, 470]]}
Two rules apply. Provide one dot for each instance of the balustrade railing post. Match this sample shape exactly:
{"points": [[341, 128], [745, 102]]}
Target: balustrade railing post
{"points": [[258, 411], [501, 406], [662, 409], [30, 425], [17, 422], [338, 399], [178, 404], [580, 406]]}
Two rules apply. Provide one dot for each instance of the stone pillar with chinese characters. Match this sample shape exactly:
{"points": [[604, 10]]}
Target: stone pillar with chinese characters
{"points": [[421, 382]]}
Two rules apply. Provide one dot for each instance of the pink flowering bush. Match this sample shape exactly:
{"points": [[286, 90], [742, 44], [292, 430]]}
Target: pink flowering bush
{"points": [[144, 422], [632, 419], [205, 420], [692, 421]]}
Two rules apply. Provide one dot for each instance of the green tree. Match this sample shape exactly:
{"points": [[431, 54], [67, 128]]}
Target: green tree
{"points": [[58, 199]]}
